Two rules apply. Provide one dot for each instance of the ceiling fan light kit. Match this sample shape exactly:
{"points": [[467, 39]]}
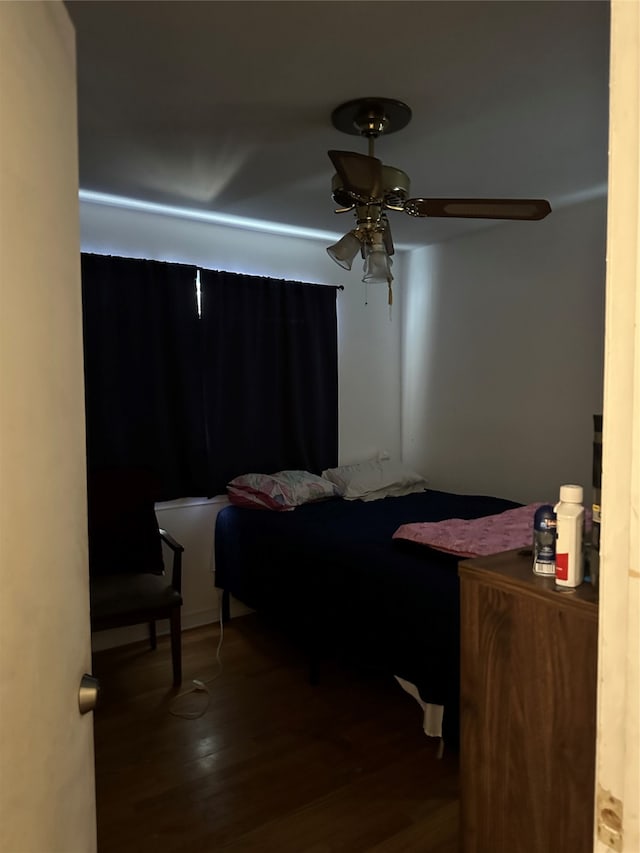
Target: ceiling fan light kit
{"points": [[377, 263], [364, 185], [344, 251]]}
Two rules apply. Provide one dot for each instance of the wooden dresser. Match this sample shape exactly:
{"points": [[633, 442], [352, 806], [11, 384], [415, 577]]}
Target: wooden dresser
{"points": [[528, 709]]}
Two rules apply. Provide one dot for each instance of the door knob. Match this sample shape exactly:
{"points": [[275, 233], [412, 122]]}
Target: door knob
{"points": [[88, 693]]}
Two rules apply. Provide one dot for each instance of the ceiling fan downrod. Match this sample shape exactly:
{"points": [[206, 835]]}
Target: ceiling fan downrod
{"points": [[371, 125]]}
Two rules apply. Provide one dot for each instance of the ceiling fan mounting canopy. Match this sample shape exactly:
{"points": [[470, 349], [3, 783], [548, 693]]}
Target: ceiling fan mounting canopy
{"points": [[371, 117], [368, 187]]}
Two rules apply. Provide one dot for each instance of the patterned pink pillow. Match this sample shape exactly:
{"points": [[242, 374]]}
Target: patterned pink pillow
{"points": [[283, 490]]}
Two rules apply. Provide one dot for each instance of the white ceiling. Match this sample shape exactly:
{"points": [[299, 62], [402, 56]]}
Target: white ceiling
{"points": [[225, 106]]}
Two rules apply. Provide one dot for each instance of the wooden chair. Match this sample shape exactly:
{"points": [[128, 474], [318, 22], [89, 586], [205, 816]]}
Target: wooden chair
{"points": [[128, 582]]}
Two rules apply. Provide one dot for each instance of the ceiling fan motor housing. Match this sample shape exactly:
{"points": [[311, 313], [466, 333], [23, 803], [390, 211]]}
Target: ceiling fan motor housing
{"points": [[395, 190]]}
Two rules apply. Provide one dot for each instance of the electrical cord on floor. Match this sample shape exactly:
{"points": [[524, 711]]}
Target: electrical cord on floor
{"points": [[200, 686]]}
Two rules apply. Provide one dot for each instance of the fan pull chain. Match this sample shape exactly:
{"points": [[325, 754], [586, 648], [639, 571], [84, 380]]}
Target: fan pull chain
{"points": [[390, 296]]}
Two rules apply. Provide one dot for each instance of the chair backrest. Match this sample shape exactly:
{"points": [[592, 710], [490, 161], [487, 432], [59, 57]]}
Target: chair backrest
{"points": [[123, 528]]}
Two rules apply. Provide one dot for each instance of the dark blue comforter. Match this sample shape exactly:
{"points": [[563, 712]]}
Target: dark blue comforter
{"points": [[332, 571]]}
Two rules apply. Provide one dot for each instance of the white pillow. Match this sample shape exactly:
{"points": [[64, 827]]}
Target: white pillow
{"points": [[373, 480]]}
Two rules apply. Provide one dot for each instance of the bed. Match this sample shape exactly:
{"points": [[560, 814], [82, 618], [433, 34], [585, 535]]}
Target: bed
{"points": [[332, 573]]}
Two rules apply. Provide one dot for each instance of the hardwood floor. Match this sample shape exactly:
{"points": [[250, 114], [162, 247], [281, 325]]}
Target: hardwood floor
{"points": [[273, 764]]}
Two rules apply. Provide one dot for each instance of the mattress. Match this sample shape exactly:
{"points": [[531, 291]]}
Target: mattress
{"points": [[332, 573]]}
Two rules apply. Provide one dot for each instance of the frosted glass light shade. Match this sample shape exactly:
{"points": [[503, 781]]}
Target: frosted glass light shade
{"points": [[377, 267], [344, 251]]}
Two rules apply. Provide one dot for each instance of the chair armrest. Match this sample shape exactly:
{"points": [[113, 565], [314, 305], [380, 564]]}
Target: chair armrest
{"points": [[171, 542], [178, 549]]}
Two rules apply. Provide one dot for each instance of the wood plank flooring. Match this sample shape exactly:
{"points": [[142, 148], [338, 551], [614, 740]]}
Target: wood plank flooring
{"points": [[269, 763]]}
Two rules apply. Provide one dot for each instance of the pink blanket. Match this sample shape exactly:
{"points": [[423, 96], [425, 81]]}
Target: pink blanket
{"points": [[476, 537]]}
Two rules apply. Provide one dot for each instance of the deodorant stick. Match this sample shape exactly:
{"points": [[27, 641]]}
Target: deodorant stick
{"points": [[544, 541]]}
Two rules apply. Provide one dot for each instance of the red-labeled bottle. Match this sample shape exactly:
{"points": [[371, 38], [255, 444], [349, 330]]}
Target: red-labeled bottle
{"points": [[569, 532]]}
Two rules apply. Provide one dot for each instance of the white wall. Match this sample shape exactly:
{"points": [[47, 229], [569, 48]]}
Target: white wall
{"points": [[503, 355], [368, 350]]}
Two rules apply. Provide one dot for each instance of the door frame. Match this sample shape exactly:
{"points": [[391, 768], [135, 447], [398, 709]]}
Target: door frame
{"points": [[616, 824]]}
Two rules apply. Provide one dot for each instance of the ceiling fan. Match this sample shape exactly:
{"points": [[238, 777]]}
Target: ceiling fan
{"points": [[369, 188]]}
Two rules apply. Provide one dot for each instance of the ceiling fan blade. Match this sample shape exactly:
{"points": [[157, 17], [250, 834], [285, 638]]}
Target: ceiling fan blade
{"points": [[360, 175], [479, 208]]}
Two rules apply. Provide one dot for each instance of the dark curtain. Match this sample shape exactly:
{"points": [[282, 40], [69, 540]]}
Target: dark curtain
{"points": [[251, 386], [143, 375], [271, 375]]}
